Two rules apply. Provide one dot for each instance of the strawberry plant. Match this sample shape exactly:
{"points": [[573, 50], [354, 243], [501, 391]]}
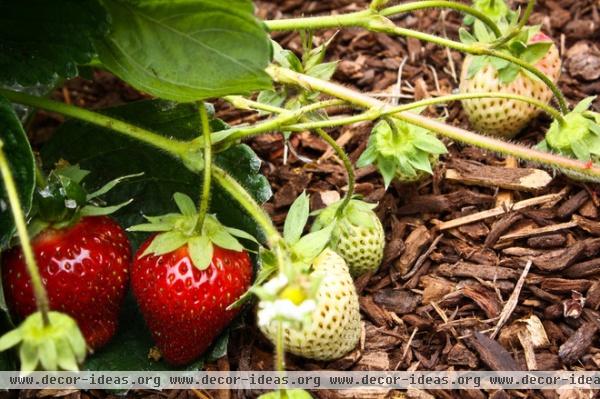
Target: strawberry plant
{"points": [[197, 264]]}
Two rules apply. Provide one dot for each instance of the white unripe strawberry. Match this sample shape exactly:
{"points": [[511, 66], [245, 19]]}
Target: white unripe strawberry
{"points": [[334, 326], [357, 236], [504, 117]]}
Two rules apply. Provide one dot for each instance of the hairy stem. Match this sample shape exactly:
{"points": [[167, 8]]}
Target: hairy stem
{"points": [[290, 77], [326, 21], [269, 125], [205, 199], [176, 148], [238, 193], [465, 9], [280, 356], [376, 113], [378, 23], [41, 298]]}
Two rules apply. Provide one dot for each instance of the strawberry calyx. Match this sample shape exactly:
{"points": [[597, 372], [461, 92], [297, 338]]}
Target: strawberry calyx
{"points": [[496, 10], [528, 45], [62, 199], [57, 345], [357, 213], [176, 230], [402, 150], [578, 135]]}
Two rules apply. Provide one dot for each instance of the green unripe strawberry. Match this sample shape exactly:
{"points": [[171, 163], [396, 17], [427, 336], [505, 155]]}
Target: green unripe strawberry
{"points": [[334, 327], [357, 235], [401, 150]]}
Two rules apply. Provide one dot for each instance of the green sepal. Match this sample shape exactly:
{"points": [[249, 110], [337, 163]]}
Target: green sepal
{"points": [[177, 230], [59, 345], [400, 149], [578, 136], [296, 219], [110, 185]]}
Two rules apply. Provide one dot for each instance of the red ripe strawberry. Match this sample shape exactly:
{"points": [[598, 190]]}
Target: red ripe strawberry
{"points": [[84, 268], [184, 307], [185, 278], [503, 117]]}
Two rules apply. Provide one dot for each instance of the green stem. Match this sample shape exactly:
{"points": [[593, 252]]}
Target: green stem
{"points": [[238, 193], [176, 148], [269, 125], [347, 165], [515, 31], [355, 18], [378, 23], [373, 114], [41, 298], [465, 9], [290, 77], [205, 199], [280, 356]]}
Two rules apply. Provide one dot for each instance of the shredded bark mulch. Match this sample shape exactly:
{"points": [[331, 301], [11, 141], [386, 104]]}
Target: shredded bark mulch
{"points": [[490, 264]]}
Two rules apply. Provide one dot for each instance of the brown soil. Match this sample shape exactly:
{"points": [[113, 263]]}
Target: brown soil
{"points": [[439, 282]]}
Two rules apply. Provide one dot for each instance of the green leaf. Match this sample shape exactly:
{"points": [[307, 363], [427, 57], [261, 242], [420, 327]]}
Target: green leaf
{"points": [[476, 64], [185, 204], [387, 168], [498, 63], [581, 150], [286, 58], [41, 41], [323, 71], [535, 52], [584, 104], [465, 36], [421, 162], [311, 245], [220, 48], [91, 210], [271, 97], [165, 243], [201, 252], [429, 143], [481, 32], [107, 187], [509, 73], [21, 162], [296, 219]]}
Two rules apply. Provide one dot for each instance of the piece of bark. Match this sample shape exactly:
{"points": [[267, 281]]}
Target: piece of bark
{"points": [[547, 241], [417, 321], [559, 260], [497, 211], [554, 311], [374, 312], [460, 355], [517, 179], [500, 227], [443, 203], [464, 269], [416, 241], [561, 285], [578, 344], [435, 288], [583, 269], [492, 353], [546, 296], [591, 226], [500, 394], [397, 301], [373, 361], [571, 205], [589, 210], [537, 232], [484, 298], [593, 296]]}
